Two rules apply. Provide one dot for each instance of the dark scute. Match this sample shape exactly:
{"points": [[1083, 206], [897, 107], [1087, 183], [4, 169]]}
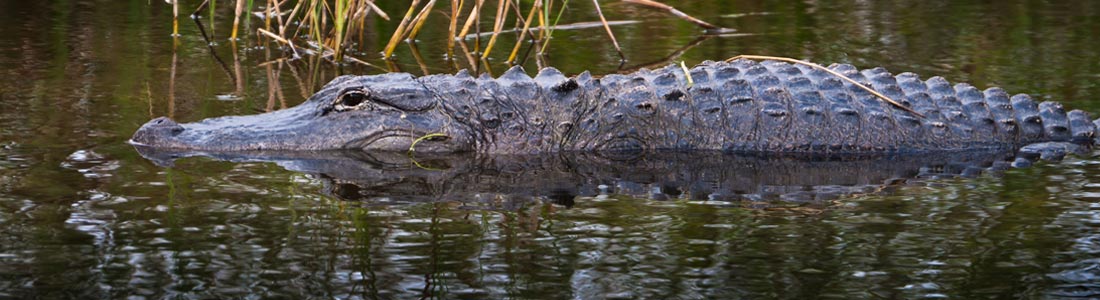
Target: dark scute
{"points": [[674, 95], [566, 86]]}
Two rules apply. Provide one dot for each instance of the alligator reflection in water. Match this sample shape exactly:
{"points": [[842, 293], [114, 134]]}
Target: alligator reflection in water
{"points": [[392, 177]]}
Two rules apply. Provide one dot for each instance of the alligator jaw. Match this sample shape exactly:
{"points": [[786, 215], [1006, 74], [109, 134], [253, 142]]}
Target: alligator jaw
{"points": [[296, 128], [301, 128]]}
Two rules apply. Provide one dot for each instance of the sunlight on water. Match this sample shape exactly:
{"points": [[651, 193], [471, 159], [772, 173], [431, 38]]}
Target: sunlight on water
{"points": [[84, 215]]}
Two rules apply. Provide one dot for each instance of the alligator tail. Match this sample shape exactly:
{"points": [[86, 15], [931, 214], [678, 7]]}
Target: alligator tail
{"points": [[1082, 127], [1095, 134]]}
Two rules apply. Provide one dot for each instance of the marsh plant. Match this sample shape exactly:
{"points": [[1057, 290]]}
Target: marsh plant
{"points": [[330, 28]]}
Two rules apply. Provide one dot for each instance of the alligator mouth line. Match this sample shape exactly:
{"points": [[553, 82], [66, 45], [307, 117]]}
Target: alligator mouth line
{"points": [[399, 139]]}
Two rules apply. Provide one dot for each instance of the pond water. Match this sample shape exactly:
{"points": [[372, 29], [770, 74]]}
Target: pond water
{"points": [[84, 215]]}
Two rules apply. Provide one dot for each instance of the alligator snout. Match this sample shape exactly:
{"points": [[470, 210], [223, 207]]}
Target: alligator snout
{"points": [[156, 130]]}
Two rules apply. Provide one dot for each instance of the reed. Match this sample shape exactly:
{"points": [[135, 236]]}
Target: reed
{"points": [[175, 18], [550, 29], [237, 19], [498, 25], [596, 4], [340, 19], [327, 27], [211, 7], [523, 33], [453, 25], [400, 29]]}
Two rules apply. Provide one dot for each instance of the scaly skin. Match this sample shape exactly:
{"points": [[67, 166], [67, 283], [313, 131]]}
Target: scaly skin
{"points": [[742, 106]]}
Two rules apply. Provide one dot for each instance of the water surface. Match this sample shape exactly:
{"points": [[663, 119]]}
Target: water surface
{"points": [[84, 215]]}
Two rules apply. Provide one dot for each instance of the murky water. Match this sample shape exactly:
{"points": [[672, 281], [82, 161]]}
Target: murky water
{"points": [[83, 215]]}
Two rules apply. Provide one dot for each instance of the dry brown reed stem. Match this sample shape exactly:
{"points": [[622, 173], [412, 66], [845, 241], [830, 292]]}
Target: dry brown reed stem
{"points": [[573, 26], [523, 33], [542, 19], [272, 6], [607, 27], [834, 73], [340, 18], [293, 13], [316, 20], [175, 18], [455, 5], [376, 10], [498, 25], [237, 19], [361, 11], [198, 10], [678, 13], [550, 32], [281, 40], [471, 19], [398, 33], [420, 18]]}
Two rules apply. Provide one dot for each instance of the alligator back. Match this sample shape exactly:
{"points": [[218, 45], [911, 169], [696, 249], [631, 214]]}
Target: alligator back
{"points": [[767, 107]]}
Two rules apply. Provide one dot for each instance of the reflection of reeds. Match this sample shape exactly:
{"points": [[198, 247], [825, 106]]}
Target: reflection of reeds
{"points": [[326, 27]]}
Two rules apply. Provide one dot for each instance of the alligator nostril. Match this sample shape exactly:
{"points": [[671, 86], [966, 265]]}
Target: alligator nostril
{"points": [[163, 121], [154, 132]]}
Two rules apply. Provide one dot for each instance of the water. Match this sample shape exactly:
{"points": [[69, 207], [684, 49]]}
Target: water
{"points": [[84, 215]]}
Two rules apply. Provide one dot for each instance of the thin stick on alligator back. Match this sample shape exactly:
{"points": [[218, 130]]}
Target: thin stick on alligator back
{"points": [[771, 107], [838, 75]]}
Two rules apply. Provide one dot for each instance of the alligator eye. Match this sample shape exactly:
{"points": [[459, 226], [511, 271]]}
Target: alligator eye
{"points": [[350, 100]]}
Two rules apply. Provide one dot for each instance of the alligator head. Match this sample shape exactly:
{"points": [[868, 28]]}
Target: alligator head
{"points": [[380, 112]]}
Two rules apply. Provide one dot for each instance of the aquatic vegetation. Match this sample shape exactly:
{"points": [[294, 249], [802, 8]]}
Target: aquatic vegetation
{"points": [[332, 28]]}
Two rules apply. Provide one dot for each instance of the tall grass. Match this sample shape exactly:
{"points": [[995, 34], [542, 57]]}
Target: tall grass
{"points": [[326, 27]]}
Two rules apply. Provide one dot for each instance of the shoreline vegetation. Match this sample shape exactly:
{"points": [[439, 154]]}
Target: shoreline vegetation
{"points": [[330, 29]]}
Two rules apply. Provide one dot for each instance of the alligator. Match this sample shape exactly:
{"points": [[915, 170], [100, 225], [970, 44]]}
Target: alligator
{"points": [[741, 106]]}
